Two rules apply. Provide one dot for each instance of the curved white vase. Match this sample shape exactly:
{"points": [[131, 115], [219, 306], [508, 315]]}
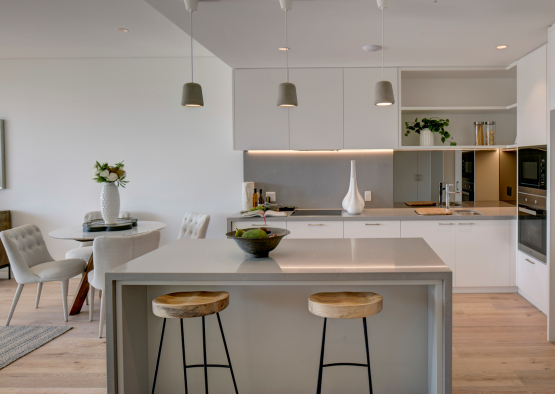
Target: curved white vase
{"points": [[426, 138], [353, 202], [109, 203]]}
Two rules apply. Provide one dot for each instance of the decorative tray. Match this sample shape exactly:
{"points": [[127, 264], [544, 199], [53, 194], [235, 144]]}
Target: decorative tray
{"points": [[99, 225]]}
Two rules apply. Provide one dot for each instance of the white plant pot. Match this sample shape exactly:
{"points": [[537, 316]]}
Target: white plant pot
{"points": [[426, 138], [353, 202], [109, 203]]}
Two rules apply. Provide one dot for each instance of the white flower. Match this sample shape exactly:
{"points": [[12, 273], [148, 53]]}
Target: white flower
{"points": [[96, 171], [104, 174], [112, 177], [94, 165]]}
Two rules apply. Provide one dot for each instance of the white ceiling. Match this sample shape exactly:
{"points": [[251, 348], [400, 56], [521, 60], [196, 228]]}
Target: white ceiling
{"points": [[328, 33], [88, 28]]}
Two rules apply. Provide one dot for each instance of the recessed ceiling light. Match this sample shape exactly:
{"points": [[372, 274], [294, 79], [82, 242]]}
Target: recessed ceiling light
{"points": [[123, 30], [371, 48], [502, 46], [283, 49]]}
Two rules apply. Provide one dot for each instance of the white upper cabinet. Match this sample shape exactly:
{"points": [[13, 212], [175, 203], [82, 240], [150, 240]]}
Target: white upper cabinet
{"points": [[258, 122], [532, 98], [317, 122], [366, 125]]}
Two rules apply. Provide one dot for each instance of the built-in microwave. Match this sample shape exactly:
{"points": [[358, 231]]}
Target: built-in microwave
{"points": [[532, 170]]}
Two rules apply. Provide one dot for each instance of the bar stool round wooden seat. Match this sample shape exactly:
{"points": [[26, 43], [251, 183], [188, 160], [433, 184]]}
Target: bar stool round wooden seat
{"points": [[184, 305], [345, 305]]}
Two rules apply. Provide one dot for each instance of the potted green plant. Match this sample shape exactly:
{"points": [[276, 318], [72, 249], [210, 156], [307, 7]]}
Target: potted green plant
{"points": [[426, 127]]}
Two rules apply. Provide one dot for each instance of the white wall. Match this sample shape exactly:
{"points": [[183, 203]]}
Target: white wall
{"points": [[63, 114]]}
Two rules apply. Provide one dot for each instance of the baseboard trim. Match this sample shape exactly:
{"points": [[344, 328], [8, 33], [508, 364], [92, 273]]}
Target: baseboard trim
{"points": [[478, 290], [531, 301]]}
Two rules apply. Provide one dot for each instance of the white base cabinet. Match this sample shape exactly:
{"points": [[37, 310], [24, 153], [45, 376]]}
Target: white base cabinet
{"points": [[315, 229], [385, 229], [257, 223], [484, 253], [440, 235], [532, 280]]}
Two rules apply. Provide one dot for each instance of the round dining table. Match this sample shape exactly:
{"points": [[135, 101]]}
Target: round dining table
{"points": [[76, 233]]}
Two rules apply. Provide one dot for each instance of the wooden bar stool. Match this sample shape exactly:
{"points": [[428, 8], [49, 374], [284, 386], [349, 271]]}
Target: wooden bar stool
{"points": [[186, 305], [344, 305]]}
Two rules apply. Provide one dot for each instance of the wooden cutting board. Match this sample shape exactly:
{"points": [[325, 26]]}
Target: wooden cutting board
{"points": [[420, 203], [433, 211]]}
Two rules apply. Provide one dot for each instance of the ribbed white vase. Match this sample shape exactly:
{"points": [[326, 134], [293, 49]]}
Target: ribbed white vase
{"points": [[109, 203], [426, 138], [353, 202]]}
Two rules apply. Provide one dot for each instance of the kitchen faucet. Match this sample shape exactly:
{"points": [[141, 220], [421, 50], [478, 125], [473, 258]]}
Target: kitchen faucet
{"points": [[447, 193]]}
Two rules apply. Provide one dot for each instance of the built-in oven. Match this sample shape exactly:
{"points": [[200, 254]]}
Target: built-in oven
{"points": [[532, 226], [532, 170]]}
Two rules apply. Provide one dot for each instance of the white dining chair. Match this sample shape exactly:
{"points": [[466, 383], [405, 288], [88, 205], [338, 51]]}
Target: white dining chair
{"points": [[84, 250], [194, 225], [32, 263], [110, 252]]}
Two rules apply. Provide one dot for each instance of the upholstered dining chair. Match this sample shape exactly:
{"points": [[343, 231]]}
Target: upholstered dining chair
{"points": [[194, 225], [110, 252], [32, 263], [84, 250]]}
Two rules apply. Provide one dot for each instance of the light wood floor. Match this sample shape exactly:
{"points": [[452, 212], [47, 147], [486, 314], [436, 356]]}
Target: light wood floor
{"points": [[499, 346]]}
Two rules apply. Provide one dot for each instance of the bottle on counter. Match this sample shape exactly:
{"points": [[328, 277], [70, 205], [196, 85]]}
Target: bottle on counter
{"points": [[490, 133], [260, 198], [255, 199], [479, 127]]}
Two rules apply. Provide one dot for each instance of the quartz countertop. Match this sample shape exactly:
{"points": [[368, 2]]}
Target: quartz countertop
{"points": [[502, 211], [292, 260]]}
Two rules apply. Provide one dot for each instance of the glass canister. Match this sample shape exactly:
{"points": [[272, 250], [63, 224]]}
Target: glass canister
{"points": [[479, 132], [490, 133]]}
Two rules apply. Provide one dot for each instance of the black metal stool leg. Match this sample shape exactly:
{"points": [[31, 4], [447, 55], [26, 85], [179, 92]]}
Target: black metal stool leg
{"points": [[204, 352], [158, 359], [367, 356], [227, 354], [321, 368], [184, 362]]}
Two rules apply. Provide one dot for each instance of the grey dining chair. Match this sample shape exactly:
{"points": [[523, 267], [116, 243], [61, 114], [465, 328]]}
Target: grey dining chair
{"points": [[32, 263]]}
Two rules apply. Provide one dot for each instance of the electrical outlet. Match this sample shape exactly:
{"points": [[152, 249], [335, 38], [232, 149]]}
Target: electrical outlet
{"points": [[367, 196], [272, 196]]}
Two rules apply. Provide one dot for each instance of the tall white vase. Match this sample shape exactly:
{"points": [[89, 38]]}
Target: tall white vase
{"points": [[353, 202], [426, 138], [109, 203]]}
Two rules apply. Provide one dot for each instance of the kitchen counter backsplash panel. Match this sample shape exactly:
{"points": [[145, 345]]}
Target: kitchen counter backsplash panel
{"points": [[320, 180]]}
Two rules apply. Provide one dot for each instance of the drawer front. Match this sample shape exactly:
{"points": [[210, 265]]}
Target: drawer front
{"points": [[315, 229], [372, 229], [257, 223], [532, 280]]}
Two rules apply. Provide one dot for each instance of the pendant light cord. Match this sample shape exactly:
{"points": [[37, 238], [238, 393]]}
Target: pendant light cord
{"points": [[383, 49], [191, 45], [286, 50]]}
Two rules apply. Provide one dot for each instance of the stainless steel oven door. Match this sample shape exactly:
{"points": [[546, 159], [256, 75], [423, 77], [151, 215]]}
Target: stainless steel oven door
{"points": [[532, 230]]}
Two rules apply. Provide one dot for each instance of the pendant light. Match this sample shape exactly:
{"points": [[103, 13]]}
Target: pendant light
{"points": [[287, 92], [192, 92], [383, 92]]}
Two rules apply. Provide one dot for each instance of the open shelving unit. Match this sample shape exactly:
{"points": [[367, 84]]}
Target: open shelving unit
{"points": [[463, 96]]}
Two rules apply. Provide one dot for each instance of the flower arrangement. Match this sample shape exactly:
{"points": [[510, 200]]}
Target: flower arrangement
{"points": [[103, 173], [435, 125]]}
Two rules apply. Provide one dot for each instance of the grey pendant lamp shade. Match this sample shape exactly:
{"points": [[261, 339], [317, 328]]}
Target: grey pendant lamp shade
{"points": [[383, 91], [192, 92], [287, 92]]}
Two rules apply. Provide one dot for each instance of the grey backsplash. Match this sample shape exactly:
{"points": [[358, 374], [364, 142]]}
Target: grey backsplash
{"points": [[320, 180]]}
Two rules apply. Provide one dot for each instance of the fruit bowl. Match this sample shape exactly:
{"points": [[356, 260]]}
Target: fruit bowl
{"points": [[259, 247]]}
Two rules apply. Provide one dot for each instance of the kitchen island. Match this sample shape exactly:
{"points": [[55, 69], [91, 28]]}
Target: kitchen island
{"points": [[273, 340]]}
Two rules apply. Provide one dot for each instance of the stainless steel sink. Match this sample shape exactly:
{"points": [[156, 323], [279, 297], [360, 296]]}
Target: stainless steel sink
{"points": [[467, 212]]}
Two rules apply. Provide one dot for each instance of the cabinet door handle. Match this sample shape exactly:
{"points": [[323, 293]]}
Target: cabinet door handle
{"points": [[446, 224], [310, 224], [530, 261], [371, 224], [256, 225], [465, 224]]}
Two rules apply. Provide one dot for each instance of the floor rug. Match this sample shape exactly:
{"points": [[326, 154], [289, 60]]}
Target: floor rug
{"points": [[17, 341]]}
